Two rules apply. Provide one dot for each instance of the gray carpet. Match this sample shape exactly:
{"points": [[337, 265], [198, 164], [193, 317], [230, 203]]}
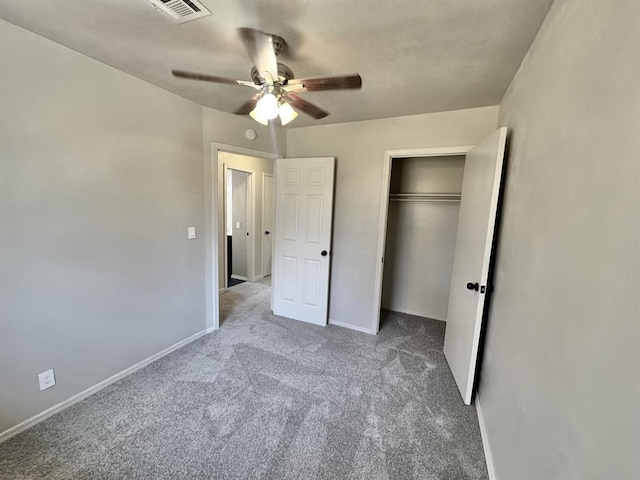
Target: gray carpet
{"points": [[269, 398]]}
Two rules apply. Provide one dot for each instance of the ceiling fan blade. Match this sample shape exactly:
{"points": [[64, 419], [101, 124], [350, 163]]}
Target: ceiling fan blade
{"points": [[304, 106], [213, 78], [259, 47], [342, 82], [248, 106], [204, 77]]}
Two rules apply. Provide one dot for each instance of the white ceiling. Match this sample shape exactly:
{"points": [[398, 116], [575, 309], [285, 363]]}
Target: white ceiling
{"points": [[414, 56]]}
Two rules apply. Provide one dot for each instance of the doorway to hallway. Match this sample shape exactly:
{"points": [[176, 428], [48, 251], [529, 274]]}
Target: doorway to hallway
{"points": [[244, 218]]}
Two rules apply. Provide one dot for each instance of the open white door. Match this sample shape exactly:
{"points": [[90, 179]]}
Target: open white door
{"points": [[476, 225], [304, 208]]}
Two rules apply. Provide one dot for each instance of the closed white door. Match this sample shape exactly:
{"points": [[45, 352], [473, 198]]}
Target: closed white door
{"points": [[267, 223], [304, 209], [474, 241]]}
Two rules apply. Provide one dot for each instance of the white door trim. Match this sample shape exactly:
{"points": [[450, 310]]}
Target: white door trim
{"points": [[389, 155], [214, 201], [272, 175]]}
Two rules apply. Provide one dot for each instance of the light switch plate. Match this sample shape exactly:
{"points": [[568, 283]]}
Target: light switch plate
{"points": [[191, 233]]}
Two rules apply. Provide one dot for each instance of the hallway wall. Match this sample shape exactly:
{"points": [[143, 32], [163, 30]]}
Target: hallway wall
{"points": [[239, 225]]}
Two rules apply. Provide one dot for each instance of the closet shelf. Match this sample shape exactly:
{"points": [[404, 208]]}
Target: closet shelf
{"points": [[424, 197]]}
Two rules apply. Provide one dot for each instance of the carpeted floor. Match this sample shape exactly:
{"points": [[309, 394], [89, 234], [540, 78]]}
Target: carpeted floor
{"points": [[269, 398]]}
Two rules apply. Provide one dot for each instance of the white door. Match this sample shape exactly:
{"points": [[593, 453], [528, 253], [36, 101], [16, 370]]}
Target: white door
{"points": [[267, 223], [476, 224], [304, 208]]}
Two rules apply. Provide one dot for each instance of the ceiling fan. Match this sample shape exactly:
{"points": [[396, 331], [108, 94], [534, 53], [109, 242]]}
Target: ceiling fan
{"points": [[275, 82]]}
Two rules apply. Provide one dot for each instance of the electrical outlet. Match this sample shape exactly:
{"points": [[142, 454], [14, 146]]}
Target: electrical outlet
{"points": [[46, 379]]}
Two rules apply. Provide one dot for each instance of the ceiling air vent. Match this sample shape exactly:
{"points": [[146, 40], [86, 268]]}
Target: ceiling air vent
{"points": [[181, 11]]}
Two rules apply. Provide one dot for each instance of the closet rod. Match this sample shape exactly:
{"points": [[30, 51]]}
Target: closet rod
{"points": [[424, 197]]}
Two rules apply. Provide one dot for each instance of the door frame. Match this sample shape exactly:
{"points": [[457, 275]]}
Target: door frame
{"points": [[389, 156], [214, 223], [273, 176], [251, 222]]}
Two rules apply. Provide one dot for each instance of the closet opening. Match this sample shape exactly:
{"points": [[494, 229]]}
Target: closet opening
{"points": [[418, 231], [424, 200]]}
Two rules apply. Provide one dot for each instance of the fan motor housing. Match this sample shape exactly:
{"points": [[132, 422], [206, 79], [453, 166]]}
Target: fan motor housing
{"points": [[279, 44], [284, 75]]}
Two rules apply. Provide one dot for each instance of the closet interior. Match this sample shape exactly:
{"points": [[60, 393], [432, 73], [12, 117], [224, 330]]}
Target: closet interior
{"points": [[424, 202]]}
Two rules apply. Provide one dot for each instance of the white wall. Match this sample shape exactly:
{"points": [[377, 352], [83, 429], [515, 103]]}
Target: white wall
{"points": [[100, 176], [359, 148], [560, 385], [421, 237]]}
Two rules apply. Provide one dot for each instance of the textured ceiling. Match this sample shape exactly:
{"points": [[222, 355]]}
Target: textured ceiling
{"points": [[414, 56]]}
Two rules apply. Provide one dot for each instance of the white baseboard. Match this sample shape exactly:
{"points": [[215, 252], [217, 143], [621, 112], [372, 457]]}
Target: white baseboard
{"points": [[30, 422], [485, 441], [417, 314], [257, 278], [351, 327], [239, 277]]}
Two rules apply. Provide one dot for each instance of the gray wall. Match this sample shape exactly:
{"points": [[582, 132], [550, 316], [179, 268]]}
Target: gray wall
{"points": [[560, 388], [421, 237], [100, 175], [359, 148], [239, 226]]}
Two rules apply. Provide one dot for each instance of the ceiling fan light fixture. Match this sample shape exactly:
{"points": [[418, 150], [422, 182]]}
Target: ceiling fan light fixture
{"points": [[287, 113], [267, 107], [274, 81], [254, 114]]}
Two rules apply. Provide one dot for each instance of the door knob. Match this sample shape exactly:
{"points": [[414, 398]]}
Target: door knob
{"points": [[323, 253], [266, 232], [473, 286]]}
